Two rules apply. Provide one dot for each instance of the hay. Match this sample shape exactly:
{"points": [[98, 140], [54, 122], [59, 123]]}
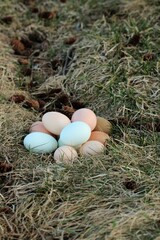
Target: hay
{"points": [[111, 196]]}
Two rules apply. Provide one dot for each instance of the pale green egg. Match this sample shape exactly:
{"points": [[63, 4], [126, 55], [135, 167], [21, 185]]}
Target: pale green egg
{"points": [[39, 142]]}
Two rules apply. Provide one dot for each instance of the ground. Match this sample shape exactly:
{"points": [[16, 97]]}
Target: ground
{"points": [[65, 55]]}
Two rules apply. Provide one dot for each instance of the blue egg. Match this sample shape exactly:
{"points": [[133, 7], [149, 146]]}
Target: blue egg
{"points": [[75, 133], [39, 142], [60, 144]]}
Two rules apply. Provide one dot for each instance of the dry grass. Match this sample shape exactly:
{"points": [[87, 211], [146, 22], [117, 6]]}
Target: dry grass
{"points": [[111, 196]]}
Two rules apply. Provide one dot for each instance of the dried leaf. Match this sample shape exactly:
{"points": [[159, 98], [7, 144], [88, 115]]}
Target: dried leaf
{"points": [[23, 61], [42, 103], [56, 62], [77, 104], [37, 36], [7, 19], [5, 167], [17, 46], [134, 40], [17, 98], [32, 103], [70, 40], [68, 111], [62, 99], [26, 42], [148, 56], [47, 14], [130, 184]]}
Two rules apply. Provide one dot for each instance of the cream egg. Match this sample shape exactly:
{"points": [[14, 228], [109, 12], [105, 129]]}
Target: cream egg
{"points": [[85, 115], [54, 122], [91, 148], [65, 154]]}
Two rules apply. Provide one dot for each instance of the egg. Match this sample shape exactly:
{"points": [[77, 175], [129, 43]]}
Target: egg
{"points": [[103, 125], [54, 122], [91, 148], [39, 142], [85, 115], [75, 133], [65, 154], [60, 143], [99, 136], [38, 127]]}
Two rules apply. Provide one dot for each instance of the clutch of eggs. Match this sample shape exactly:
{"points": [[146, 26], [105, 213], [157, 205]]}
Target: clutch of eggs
{"points": [[85, 134]]}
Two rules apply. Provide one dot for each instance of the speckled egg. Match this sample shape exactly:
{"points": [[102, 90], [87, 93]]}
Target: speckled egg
{"points": [[91, 148]]}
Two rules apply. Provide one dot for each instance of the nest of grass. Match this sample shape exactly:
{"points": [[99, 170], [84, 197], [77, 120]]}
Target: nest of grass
{"points": [[68, 55]]}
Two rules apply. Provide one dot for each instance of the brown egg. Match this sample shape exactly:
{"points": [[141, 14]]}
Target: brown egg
{"points": [[39, 127], [85, 115], [103, 125], [99, 136], [91, 148]]}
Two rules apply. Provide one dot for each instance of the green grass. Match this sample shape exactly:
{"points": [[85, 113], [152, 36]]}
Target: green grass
{"points": [[111, 196]]}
